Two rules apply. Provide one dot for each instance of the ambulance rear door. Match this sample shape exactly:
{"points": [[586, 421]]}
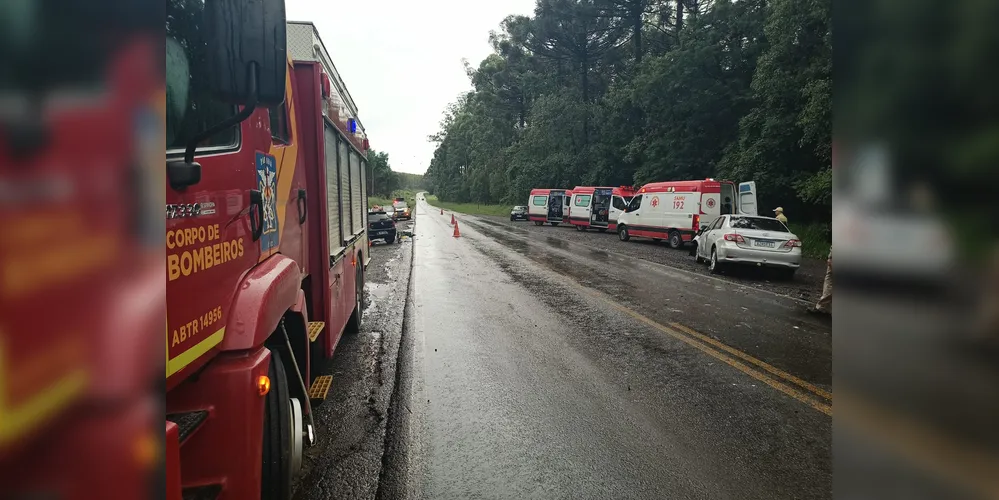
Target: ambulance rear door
{"points": [[580, 209], [618, 206], [747, 198], [600, 204]]}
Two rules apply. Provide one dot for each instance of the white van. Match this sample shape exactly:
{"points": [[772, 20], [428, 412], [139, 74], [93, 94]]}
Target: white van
{"points": [[676, 210], [548, 205], [598, 207]]}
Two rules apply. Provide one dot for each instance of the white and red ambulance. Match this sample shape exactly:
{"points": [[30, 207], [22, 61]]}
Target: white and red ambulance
{"points": [[548, 205], [598, 207], [675, 210]]}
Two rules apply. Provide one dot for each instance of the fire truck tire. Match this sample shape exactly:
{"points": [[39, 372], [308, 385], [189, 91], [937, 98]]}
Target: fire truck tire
{"points": [[354, 323], [675, 240], [622, 232], [277, 468], [538, 223], [580, 228]]}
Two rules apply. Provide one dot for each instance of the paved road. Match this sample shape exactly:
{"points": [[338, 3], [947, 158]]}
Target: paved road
{"points": [[551, 369]]}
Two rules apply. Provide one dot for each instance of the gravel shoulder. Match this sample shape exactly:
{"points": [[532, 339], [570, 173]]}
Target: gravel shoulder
{"points": [[806, 285]]}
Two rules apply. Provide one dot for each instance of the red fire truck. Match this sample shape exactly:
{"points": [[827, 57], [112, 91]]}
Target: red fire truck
{"points": [[266, 243], [81, 283]]}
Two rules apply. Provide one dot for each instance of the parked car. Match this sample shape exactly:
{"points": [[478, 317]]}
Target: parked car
{"points": [[381, 227], [748, 240], [519, 212], [400, 210]]}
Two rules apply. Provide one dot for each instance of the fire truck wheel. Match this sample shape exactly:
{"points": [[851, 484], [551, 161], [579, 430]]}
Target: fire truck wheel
{"points": [[580, 228], [277, 470], [354, 323], [675, 240], [538, 223], [622, 232]]}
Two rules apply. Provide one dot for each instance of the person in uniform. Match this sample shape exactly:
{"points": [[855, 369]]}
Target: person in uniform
{"points": [[780, 214], [824, 305]]}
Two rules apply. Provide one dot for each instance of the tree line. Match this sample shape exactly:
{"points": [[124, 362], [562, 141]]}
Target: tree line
{"points": [[382, 181], [624, 92]]}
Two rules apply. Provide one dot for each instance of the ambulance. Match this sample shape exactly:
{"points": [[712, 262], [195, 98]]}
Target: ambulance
{"points": [[598, 207], [548, 205], [676, 210]]}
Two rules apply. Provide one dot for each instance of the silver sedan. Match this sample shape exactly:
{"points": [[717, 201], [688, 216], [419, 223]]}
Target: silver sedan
{"points": [[748, 240]]}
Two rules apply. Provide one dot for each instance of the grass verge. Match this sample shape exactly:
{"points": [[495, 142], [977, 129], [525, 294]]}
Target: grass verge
{"points": [[470, 208], [815, 239]]}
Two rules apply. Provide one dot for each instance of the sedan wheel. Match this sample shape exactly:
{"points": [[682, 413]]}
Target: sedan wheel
{"points": [[713, 266]]}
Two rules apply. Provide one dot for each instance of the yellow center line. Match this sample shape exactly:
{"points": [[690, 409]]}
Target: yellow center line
{"points": [[762, 377], [772, 369]]}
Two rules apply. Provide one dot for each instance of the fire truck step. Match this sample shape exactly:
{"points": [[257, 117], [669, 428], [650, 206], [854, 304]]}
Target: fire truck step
{"points": [[320, 387], [208, 492], [315, 328], [187, 422]]}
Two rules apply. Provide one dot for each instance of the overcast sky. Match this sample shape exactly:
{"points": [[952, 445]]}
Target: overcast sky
{"points": [[401, 61]]}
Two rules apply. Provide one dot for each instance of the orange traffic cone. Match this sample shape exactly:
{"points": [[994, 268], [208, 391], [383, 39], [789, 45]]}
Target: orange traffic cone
{"points": [[456, 232], [453, 222]]}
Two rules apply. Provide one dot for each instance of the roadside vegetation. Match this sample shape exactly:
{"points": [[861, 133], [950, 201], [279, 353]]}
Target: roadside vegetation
{"points": [[470, 208]]}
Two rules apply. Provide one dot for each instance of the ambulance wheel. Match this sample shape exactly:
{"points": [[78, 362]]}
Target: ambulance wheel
{"points": [[714, 267], [622, 233], [277, 469], [675, 240]]}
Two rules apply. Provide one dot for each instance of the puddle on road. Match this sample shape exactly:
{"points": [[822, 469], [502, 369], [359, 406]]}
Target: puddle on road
{"points": [[375, 293]]}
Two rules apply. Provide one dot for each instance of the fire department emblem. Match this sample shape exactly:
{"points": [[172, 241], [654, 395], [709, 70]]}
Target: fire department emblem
{"points": [[655, 201], [267, 184], [711, 203]]}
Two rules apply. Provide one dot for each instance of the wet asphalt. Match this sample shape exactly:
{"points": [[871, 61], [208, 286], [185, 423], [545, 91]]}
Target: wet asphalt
{"points": [[536, 366], [352, 422]]}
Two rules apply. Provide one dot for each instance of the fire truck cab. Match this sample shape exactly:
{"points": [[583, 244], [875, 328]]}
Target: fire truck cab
{"points": [[676, 210], [548, 205], [598, 207]]}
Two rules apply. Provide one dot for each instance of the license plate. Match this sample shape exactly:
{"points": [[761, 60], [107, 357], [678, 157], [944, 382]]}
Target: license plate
{"points": [[381, 233], [765, 243]]}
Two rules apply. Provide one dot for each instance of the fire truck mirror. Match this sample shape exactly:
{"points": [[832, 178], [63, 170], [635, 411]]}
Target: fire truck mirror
{"points": [[242, 33]]}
